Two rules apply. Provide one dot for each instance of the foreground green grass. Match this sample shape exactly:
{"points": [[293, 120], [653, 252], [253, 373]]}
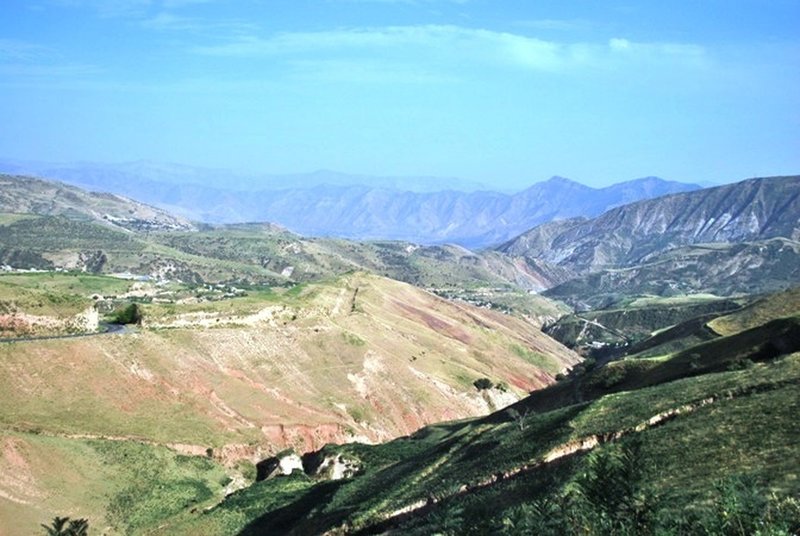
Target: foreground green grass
{"points": [[121, 487]]}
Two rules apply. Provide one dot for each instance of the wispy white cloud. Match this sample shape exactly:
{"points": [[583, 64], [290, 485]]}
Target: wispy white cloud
{"points": [[452, 46], [166, 21], [558, 25], [435, 42], [689, 55], [110, 8], [16, 50]]}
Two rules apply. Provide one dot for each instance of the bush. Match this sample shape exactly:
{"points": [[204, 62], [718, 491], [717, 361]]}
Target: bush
{"points": [[130, 314], [611, 375], [482, 384]]}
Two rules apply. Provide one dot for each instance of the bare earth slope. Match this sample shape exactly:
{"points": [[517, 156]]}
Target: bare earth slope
{"points": [[755, 209], [361, 357], [735, 239]]}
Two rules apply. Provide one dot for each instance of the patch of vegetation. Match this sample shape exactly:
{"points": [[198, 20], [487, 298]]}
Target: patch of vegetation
{"points": [[64, 526], [129, 314], [534, 358], [352, 339], [482, 384], [157, 485], [57, 294], [777, 305], [359, 413], [626, 324]]}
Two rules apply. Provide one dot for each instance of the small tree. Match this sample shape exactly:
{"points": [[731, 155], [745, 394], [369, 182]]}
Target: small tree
{"points": [[130, 314], [518, 417], [482, 384]]}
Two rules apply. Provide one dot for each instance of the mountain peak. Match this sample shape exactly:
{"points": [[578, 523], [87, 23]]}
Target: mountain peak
{"points": [[558, 179]]}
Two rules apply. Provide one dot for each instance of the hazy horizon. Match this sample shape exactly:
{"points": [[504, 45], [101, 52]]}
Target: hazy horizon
{"points": [[504, 94], [250, 179]]}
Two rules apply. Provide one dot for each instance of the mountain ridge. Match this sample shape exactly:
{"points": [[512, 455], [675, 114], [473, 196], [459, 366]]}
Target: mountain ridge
{"points": [[735, 239], [326, 203], [704, 216]]}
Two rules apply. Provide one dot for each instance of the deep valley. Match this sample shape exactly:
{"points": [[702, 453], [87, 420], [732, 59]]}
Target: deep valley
{"points": [[629, 367]]}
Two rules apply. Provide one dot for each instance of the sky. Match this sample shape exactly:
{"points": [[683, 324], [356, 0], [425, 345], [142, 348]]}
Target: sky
{"points": [[502, 92]]}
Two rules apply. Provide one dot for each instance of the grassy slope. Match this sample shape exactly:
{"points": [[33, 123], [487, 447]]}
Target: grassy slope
{"points": [[485, 278], [47, 241], [777, 305], [749, 428], [52, 294], [756, 311], [120, 486], [401, 359], [263, 255], [626, 323]]}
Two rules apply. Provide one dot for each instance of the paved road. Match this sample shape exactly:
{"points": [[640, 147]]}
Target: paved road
{"points": [[105, 329]]}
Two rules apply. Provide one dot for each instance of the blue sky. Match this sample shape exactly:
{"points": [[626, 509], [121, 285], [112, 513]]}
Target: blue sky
{"points": [[505, 92]]}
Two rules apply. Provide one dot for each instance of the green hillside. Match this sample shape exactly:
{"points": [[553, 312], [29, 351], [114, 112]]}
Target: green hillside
{"points": [[264, 255], [704, 441]]}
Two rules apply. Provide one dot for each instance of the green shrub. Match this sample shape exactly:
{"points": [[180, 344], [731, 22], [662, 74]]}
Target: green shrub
{"points": [[482, 384], [130, 314]]}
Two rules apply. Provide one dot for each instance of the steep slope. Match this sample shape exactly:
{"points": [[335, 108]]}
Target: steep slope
{"points": [[660, 450], [730, 240], [625, 324], [777, 305], [755, 209], [26, 195], [721, 269], [363, 353], [361, 357], [756, 310]]}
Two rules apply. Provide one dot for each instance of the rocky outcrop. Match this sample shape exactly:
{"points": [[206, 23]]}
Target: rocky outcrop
{"points": [[329, 465], [282, 464], [324, 464]]}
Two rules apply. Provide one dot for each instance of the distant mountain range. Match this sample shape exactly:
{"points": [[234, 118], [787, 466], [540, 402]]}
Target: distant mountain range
{"points": [[741, 237], [729, 240], [358, 207], [470, 219]]}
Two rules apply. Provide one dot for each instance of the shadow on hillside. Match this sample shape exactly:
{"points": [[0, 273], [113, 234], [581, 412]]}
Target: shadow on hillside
{"points": [[297, 517]]}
